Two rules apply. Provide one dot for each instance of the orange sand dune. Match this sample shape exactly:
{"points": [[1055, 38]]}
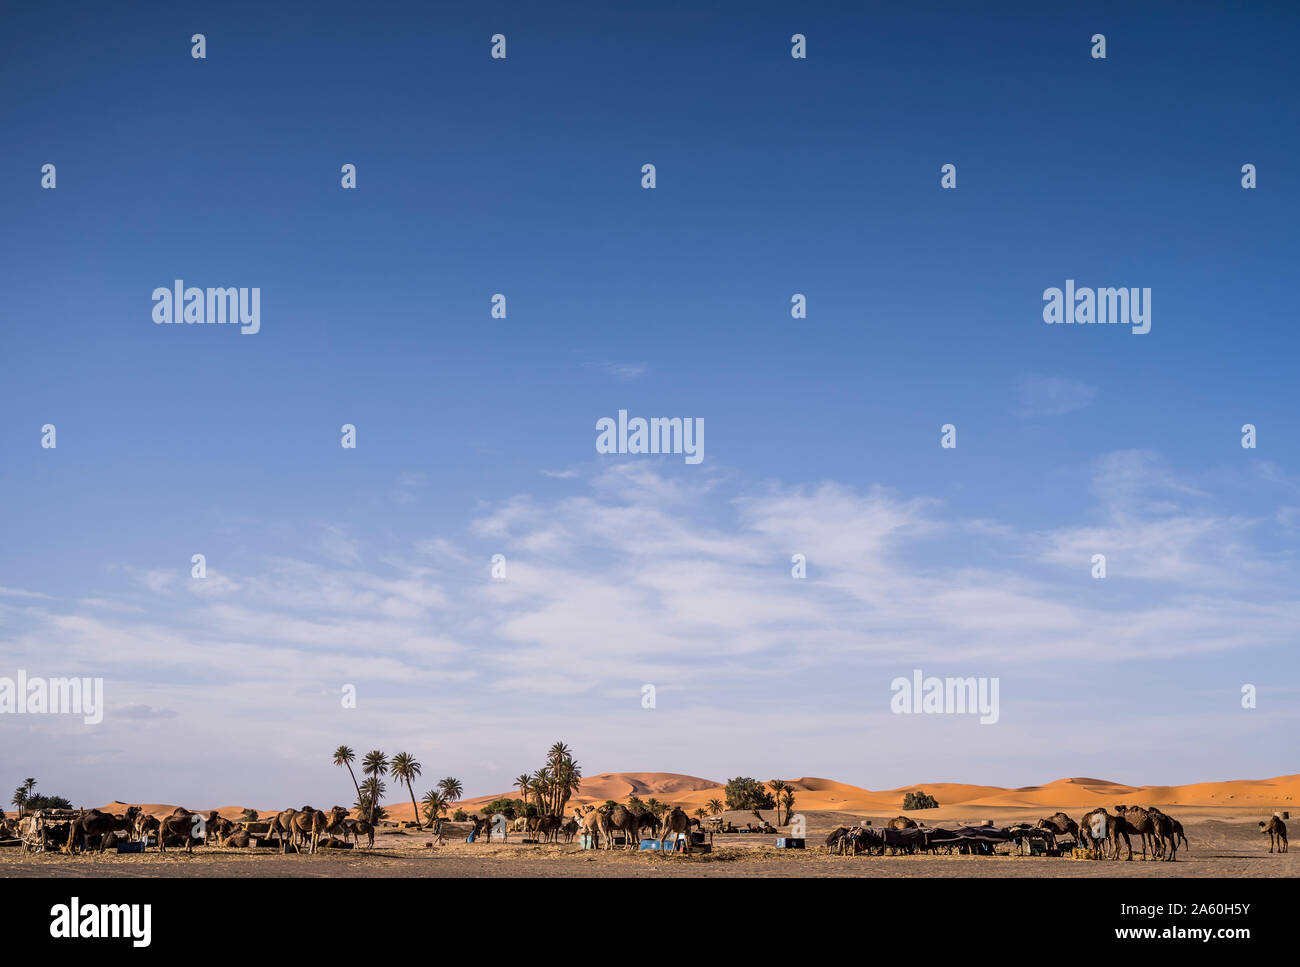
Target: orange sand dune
{"points": [[812, 793]]}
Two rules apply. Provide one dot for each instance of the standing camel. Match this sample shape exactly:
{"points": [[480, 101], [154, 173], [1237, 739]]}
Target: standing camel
{"points": [[1134, 820], [589, 824], [622, 819], [281, 826], [1276, 830], [675, 822], [1096, 830]]}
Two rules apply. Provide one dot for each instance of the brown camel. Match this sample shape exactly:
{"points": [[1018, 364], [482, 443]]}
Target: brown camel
{"points": [[589, 823], [1276, 830], [901, 822], [183, 823], [1169, 831], [239, 839], [282, 828], [623, 820], [1060, 824], [312, 824], [647, 821], [675, 822], [1096, 830], [1135, 821], [361, 827], [835, 840], [92, 822]]}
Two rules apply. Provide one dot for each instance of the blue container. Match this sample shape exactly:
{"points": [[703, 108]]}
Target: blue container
{"points": [[788, 842]]}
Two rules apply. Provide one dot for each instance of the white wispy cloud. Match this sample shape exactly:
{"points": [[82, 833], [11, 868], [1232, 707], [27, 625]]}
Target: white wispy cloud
{"points": [[678, 579]]}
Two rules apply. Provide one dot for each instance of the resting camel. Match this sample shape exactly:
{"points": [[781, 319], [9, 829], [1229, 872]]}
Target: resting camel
{"points": [[901, 822], [835, 840], [1276, 830], [675, 822]]}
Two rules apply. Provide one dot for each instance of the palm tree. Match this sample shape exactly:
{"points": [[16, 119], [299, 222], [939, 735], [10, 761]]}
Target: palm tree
{"points": [[375, 764], [451, 789], [30, 784], [777, 787], [20, 799], [541, 786], [405, 767], [343, 756], [715, 806], [700, 813], [434, 806], [567, 783], [787, 800], [522, 781], [372, 791]]}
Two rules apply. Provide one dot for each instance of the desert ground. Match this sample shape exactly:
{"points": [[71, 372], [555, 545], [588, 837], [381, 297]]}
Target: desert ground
{"points": [[1220, 821]]}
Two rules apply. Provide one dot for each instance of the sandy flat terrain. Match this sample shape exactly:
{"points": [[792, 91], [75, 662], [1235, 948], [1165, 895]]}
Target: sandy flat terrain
{"points": [[1224, 842]]}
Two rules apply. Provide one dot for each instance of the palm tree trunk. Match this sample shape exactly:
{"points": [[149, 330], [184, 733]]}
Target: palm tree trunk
{"points": [[418, 824], [354, 782]]}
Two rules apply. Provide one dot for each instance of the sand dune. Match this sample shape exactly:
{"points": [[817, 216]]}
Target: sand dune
{"points": [[813, 793]]}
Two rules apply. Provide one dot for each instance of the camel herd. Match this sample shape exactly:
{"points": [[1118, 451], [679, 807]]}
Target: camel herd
{"points": [[300, 829], [601, 823], [1099, 833]]}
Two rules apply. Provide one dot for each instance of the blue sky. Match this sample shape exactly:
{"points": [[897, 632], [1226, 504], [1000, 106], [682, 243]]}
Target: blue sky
{"points": [[476, 436]]}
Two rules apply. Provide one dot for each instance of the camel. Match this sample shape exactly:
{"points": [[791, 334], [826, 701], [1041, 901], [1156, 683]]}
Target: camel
{"points": [[216, 827], [1170, 831], [358, 828], [239, 839], [901, 822], [1276, 830], [92, 822], [1096, 829], [620, 819], [1138, 821], [1059, 824], [146, 825], [835, 840], [281, 826], [569, 830], [130, 822], [647, 820], [589, 823], [548, 828], [311, 824], [180, 823], [675, 822]]}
